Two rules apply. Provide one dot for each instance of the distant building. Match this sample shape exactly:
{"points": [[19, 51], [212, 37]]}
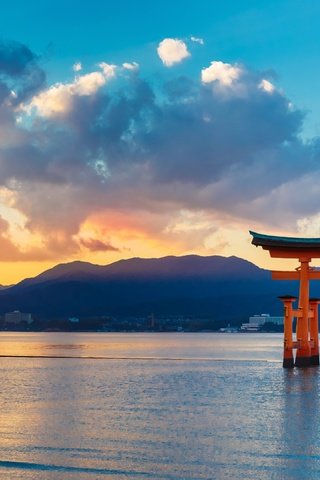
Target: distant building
{"points": [[151, 321], [265, 318], [74, 320], [257, 321], [250, 327], [228, 329], [17, 317]]}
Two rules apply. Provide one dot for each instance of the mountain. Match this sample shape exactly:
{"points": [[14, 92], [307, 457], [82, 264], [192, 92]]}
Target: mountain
{"points": [[166, 267], [224, 288]]}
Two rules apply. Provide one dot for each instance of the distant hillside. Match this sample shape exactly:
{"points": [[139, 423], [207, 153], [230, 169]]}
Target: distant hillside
{"points": [[168, 267], [224, 288]]}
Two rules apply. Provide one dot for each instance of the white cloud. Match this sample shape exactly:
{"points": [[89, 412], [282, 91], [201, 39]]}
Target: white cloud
{"points": [[51, 102], [130, 66], [197, 40], [109, 70], [77, 67], [57, 99], [172, 50], [309, 225], [266, 86], [224, 73], [87, 84]]}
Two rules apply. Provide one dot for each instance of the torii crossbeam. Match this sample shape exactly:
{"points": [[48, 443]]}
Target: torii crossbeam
{"points": [[307, 336]]}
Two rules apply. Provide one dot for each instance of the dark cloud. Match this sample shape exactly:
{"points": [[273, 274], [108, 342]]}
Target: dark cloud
{"points": [[15, 59], [195, 137], [20, 70], [96, 245]]}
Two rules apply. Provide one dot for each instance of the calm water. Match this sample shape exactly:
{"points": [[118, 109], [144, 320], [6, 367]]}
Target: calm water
{"points": [[155, 406]]}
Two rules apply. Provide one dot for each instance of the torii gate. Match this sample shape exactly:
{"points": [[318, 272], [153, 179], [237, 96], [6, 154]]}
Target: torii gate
{"points": [[307, 337]]}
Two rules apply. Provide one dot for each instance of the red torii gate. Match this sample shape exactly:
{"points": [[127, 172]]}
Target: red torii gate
{"points": [[307, 337]]}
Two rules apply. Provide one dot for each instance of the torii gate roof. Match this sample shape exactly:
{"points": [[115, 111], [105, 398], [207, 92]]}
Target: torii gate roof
{"points": [[287, 247], [262, 240]]}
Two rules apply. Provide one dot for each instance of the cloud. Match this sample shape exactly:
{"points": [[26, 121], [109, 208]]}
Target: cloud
{"points": [[309, 225], [266, 86], [116, 146], [77, 67], [197, 40], [108, 70], [164, 159], [172, 51], [223, 73], [15, 59], [96, 245], [10, 251], [130, 66], [58, 99], [20, 71]]}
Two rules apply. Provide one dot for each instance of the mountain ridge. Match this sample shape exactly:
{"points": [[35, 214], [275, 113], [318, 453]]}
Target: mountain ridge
{"points": [[129, 266], [216, 286]]}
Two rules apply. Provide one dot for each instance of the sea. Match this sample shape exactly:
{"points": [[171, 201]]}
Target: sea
{"points": [[171, 406]]}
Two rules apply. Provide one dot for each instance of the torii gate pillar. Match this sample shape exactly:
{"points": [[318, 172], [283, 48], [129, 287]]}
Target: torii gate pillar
{"points": [[288, 361], [314, 331], [307, 336]]}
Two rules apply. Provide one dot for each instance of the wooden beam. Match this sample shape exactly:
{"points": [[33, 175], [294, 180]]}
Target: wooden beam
{"points": [[283, 275], [278, 275], [306, 253]]}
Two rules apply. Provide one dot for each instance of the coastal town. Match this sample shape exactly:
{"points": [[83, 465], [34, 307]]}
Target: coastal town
{"points": [[21, 321]]}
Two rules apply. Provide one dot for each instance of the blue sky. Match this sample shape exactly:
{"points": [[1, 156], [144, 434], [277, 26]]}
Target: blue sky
{"points": [[122, 136]]}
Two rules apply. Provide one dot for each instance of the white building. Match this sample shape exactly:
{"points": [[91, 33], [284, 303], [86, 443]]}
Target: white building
{"points": [[17, 317], [250, 327], [257, 321], [265, 318]]}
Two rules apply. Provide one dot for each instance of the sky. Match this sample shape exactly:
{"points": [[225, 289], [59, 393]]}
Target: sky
{"points": [[140, 129]]}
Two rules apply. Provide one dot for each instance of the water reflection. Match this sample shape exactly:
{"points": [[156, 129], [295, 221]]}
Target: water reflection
{"points": [[45, 348], [202, 346], [301, 429], [190, 419]]}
